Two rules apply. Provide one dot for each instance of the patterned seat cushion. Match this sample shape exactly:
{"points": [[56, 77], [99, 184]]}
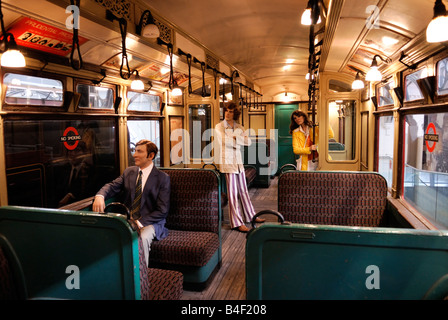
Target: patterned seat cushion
{"points": [[158, 284], [165, 284], [191, 248], [335, 198], [194, 201]]}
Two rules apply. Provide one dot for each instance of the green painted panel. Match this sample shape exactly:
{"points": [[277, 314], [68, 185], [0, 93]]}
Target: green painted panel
{"points": [[73, 255], [282, 122], [334, 262]]}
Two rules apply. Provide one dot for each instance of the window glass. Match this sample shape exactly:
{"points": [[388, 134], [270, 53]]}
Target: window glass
{"points": [[33, 91], [143, 102], [425, 184], [199, 121], [385, 98], [386, 147], [144, 129], [339, 86], [51, 163], [342, 129], [442, 77], [95, 97], [412, 90]]}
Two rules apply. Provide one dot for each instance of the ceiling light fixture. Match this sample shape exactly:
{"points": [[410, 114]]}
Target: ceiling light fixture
{"points": [[11, 56], [358, 83], [306, 15], [177, 91], [436, 30], [147, 27], [374, 74], [137, 84]]}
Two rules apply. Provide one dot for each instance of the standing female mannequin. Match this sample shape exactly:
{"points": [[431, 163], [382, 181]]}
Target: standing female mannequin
{"points": [[230, 136], [302, 134]]}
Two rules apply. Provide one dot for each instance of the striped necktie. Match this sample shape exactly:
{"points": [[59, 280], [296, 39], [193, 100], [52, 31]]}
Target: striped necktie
{"points": [[135, 211]]}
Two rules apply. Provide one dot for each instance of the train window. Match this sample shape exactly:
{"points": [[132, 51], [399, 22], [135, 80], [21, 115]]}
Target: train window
{"points": [[411, 88], [51, 163], [95, 97], [425, 183], [143, 102], [24, 89], [144, 129], [200, 119], [386, 147], [342, 132], [442, 77], [385, 98]]}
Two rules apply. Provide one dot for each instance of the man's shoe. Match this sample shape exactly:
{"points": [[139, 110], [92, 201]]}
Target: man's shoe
{"points": [[260, 220]]}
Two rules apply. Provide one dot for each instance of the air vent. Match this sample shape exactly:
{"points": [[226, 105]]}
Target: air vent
{"points": [[166, 33], [120, 8], [211, 61]]}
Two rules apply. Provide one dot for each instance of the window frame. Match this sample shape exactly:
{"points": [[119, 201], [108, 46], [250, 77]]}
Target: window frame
{"points": [[404, 75], [409, 212], [138, 112], [161, 121], [66, 96], [439, 98], [377, 96], [79, 109]]}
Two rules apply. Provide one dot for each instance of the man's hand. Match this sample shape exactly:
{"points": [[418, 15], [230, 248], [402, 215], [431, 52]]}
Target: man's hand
{"points": [[98, 204]]}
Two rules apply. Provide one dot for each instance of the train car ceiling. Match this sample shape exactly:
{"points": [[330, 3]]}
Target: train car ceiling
{"points": [[263, 40], [100, 41], [267, 43]]}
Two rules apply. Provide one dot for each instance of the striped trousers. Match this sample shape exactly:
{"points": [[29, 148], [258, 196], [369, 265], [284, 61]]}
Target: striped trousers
{"points": [[237, 188]]}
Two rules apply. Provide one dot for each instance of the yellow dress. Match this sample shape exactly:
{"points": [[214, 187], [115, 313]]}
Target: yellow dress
{"points": [[301, 143]]}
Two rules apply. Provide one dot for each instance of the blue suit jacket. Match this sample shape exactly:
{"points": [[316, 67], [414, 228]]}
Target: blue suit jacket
{"points": [[155, 202]]}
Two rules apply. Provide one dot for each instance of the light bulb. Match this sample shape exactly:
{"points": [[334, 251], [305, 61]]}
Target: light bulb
{"points": [[436, 30], [137, 85], [357, 84], [306, 17], [374, 75], [176, 92], [13, 58], [151, 31]]}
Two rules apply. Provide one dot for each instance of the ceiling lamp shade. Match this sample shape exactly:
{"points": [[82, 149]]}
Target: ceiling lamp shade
{"points": [[358, 83], [176, 92], [437, 28], [11, 57], [374, 75], [147, 27], [137, 84], [306, 16], [151, 31]]}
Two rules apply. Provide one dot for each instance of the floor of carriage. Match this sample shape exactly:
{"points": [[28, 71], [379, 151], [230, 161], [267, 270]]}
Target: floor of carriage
{"points": [[229, 282]]}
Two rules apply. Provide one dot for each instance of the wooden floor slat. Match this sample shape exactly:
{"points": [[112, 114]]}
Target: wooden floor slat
{"points": [[229, 282]]}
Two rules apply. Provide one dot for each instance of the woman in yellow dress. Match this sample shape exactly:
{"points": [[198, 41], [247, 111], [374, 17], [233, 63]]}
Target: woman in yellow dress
{"points": [[302, 134]]}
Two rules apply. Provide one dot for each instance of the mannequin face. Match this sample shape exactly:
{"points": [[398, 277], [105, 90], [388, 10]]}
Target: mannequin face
{"points": [[141, 157], [228, 115], [299, 119]]}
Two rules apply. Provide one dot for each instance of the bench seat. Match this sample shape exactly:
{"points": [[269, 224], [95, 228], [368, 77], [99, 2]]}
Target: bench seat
{"points": [[190, 248], [193, 245], [333, 198]]}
